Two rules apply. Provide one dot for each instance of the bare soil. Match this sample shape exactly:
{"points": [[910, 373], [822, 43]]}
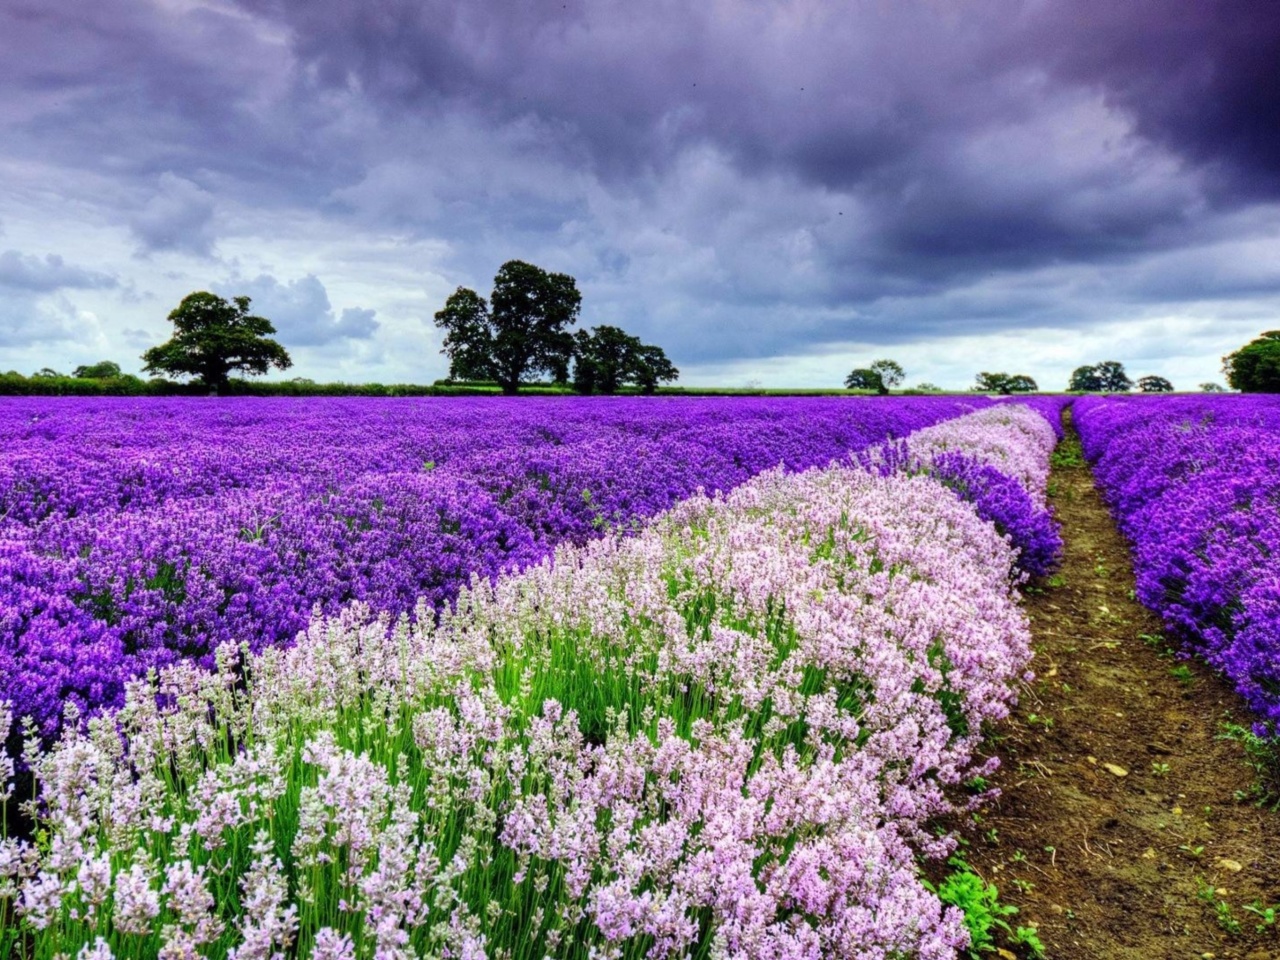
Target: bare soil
{"points": [[1124, 829]]}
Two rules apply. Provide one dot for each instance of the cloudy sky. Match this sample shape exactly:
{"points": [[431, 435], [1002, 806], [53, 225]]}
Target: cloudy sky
{"points": [[774, 191]]}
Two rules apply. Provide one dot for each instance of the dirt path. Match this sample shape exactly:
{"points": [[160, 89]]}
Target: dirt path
{"points": [[1120, 832]]}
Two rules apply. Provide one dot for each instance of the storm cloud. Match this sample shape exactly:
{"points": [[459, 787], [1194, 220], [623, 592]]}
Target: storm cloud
{"points": [[755, 186]]}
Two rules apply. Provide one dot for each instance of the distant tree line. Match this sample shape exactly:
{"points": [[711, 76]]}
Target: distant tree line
{"points": [[519, 334], [1259, 359], [513, 340]]}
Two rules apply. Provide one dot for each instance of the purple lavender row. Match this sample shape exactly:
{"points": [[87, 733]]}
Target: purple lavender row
{"points": [[137, 533], [1194, 483]]}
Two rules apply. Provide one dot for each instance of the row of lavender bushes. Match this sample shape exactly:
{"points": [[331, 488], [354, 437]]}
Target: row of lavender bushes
{"points": [[136, 533], [723, 736], [1194, 483]]}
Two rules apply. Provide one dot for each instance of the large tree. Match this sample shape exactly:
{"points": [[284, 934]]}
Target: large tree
{"points": [[608, 357], [212, 338], [519, 332], [1105, 377], [1255, 367]]}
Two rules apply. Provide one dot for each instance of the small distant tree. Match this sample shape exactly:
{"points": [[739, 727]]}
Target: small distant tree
{"points": [[927, 387], [1210, 387], [1105, 377], [212, 338], [1153, 384], [1255, 367], [520, 332], [880, 376], [864, 378], [891, 373], [1004, 383], [46, 373], [103, 370]]}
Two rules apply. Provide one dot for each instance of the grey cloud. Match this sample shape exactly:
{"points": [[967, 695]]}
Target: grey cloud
{"points": [[792, 176], [31, 273], [25, 320], [301, 311], [178, 216], [356, 323], [934, 118]]}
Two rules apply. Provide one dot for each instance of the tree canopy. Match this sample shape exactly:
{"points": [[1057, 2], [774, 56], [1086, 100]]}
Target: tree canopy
{"points": [[102, 370], [521, 330], [1255, 367], [863, 378], [1154, 384], [608, 357], [880, 376], [1211, 387], [1107, 376], [212, 338], [1004, 383]]}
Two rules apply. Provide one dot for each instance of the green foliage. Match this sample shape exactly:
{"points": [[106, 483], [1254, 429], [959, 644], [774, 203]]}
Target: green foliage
{"points": [[864, 378], [1210, 387], [1263, 756], [1004, 383], [15, 384], [521, 331], [212, 338], [1266, 915], [102, 370], [468, 341], [1068, 453], [1153, 384], [890, 372], [984, 914], [607, 358], [1108, 376], [1255, 367]]}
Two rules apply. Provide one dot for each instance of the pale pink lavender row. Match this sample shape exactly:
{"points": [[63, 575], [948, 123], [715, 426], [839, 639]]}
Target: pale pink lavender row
{"points": [[1194, 483], [137, 532]]}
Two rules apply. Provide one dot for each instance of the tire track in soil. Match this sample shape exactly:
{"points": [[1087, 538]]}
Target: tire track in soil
{"points": [[1126, 866]]}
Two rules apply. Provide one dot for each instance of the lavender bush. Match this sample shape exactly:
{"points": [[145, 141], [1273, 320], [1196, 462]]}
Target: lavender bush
{"points": [[724, 736], [1194, 483], [137, 533]]}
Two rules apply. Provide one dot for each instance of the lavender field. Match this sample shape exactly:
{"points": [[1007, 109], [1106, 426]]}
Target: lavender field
{"points": [[1194, 483], [137, 533], [682, 679]]}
